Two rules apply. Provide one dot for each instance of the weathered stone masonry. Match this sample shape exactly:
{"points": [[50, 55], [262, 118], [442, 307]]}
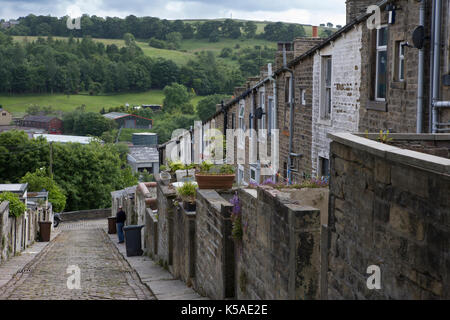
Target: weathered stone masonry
{"points": [[388, 207]]}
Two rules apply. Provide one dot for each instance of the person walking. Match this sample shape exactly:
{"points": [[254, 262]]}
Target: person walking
{"points": [[121, 217]]}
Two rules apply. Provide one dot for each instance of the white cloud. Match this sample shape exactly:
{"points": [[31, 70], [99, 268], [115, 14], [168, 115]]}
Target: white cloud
{"points": [[298, 11]]}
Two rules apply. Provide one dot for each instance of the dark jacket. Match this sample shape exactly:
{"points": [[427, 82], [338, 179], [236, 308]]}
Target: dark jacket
{"points": [[121, 217]]}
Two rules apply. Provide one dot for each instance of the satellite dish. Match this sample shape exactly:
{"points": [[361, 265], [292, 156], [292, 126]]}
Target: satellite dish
{"points": [[418, 37], [259, 113]]}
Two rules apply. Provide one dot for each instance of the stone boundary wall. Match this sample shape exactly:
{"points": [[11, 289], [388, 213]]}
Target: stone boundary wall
{"points": [[432, 144], [151, 233], [87, 214], [165, 197], [388, 207], [16, 234], [279, 256], [214, 267], [184, 244]]}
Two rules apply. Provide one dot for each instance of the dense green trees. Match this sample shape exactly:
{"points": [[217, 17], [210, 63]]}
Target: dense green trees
{"points": [[48, 66], [83, 123], [85, 173], [207, 106], [39, 180], [151, 27], [177, 98]]}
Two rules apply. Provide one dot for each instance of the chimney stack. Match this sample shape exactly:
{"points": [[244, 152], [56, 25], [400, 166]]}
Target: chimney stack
{"points": [[357, 8], [302, 45], [315, 32]]}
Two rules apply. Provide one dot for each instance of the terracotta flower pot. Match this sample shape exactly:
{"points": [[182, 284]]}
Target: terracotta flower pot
{"points": [[212, 181]]}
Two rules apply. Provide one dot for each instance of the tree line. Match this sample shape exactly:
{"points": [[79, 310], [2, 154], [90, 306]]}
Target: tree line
{"points": [[74, 66], [152, 27]]}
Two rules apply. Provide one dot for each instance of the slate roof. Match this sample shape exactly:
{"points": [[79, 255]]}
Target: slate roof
{"points": [[143, 154], [115, 115]]}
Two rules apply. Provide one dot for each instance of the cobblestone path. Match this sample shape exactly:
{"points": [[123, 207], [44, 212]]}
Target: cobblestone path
{"points": [[104, 272]]}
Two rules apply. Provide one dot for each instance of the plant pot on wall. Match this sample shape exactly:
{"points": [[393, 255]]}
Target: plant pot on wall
{"points": [[215, 181]]}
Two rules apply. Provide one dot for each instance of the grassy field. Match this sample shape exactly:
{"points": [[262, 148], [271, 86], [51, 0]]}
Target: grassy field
{"points": [[17, 104]]}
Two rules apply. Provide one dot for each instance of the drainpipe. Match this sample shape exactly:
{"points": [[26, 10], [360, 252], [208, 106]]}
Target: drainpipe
{"points": [[436, 62], [275, 99], [430, 98], [420, 82], [291, 107]]}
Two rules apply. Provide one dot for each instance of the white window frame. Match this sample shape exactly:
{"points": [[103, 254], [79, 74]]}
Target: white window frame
{"points": [[271, 111], [303, 96], [262, 124], [241, 123], [401, 61], [378, 50], [255, 170], [325, 109]]}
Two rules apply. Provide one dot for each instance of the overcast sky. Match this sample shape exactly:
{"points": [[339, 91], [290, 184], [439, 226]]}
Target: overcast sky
{"points": [[298, 11]]}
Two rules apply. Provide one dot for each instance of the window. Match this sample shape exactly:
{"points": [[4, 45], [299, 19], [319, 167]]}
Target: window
{"points": [[4, 114], [303, 96], [381, 64], [287, 89], [254, 174], [326, 87], [324, 167], [272, 117], [401, 61], [262, 104]]}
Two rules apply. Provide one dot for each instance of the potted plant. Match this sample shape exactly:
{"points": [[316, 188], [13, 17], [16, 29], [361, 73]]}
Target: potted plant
{"points": [[186, 174], [187, 193], [213, 176]]}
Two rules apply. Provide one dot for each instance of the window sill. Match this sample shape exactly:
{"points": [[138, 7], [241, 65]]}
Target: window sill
{"points": [[376, 105], [398, 85], [325, 122]]}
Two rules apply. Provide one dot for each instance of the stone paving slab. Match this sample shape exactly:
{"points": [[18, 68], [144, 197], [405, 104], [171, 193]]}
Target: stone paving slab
{"points": [[160, 281], [15, 264]]}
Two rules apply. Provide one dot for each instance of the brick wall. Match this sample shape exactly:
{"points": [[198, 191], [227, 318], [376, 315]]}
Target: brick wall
{"points": [[388, 207]]}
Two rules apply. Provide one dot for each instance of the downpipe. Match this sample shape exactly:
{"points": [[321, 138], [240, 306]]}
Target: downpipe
{"points": [[420, 82], [436, 62]]}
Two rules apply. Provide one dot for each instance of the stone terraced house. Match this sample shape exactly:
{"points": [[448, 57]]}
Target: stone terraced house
{"points": [[368, 76]]}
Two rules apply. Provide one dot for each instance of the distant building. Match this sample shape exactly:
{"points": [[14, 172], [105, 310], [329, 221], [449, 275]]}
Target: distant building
{"points": [[154, 107], [142, 158], [65, 139], [130, 121], [145, 139], [5, 117], [52, 125]]}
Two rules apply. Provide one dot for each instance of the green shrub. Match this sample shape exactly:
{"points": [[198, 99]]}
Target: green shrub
{"points": [[187, 191], [16, 207]]}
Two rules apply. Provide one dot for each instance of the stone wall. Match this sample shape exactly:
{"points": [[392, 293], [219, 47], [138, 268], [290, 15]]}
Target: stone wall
{"points": [[87, 214], [16, 234], [184, 245], [165, 196], [388, 207], [278, 257], [214, 267], [151, 233]]}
